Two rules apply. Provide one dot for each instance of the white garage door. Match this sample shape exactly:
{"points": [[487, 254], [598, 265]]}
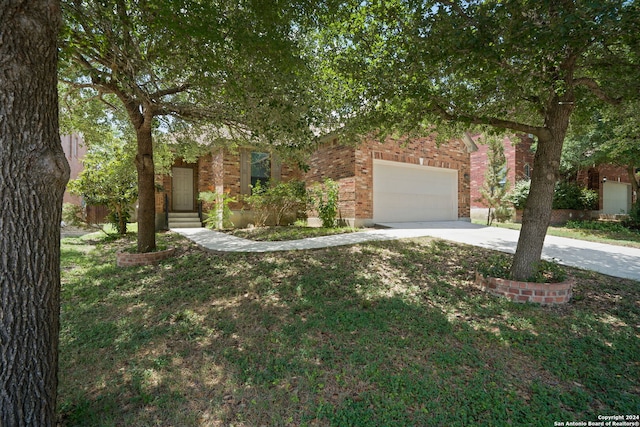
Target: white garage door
{"points": [[616, 198], [405, 192]]}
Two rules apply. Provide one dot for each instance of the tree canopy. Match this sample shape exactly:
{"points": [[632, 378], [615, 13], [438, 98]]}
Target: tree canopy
{"points": [[234, 65], [611, 136], [416, 66], [108, 178], [495, 186]]}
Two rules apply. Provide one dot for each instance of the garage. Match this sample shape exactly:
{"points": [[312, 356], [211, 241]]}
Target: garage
{"points": [[616, 198], [405, 192]]}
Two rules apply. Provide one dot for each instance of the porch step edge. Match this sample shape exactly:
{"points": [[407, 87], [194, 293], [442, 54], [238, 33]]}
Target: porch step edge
{"points": [[185, 224]]}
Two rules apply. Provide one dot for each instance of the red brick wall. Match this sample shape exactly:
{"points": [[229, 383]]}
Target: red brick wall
{"points": [[74, 150], [333, 161], [613, 173], [163, 181], [592, 178], [337, 162], [231, 176], [206, 177], [524, 156], [541, 293]]}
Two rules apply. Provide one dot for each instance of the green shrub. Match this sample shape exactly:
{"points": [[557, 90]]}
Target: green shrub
{"points": [[325, 200], [73, 215], [608, 226], [567, 195], [633, 220], [119, 218], [589, 199], [217, 210], [502, 213], [519, 194], [284, 202]]}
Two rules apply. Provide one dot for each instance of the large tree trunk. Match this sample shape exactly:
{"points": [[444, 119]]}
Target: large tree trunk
{"points": [[33, 175], [146, 188], [537, 212]]}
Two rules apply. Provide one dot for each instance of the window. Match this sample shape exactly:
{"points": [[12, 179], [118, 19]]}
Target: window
{"points": [[260, 168], [75, 147], [527, 171]]}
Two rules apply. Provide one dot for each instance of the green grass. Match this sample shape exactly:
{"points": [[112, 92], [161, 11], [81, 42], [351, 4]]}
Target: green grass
{"points": [[378, 334], [292, 232], [595, 231]]}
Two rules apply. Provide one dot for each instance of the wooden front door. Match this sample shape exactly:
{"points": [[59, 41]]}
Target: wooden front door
{"points": [[182, 189]]}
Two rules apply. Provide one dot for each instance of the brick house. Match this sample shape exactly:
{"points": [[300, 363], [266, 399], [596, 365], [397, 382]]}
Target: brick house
{"points": [[390, 181], [611, 182], [396, 180], [613, 186]]}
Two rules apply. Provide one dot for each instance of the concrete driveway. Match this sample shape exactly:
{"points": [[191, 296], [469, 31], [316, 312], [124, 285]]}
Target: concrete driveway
{"points": [[617, 261]]}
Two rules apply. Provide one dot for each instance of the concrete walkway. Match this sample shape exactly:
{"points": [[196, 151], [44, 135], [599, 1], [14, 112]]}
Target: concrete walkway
{"points": [[617, 261]]}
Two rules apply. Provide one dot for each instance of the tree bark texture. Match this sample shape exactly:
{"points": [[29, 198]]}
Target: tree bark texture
{"points": [[146, 184], [33, 175], [537, 212]]}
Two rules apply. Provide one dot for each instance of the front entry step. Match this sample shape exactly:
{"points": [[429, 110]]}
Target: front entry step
{"points": [[184, 220]]}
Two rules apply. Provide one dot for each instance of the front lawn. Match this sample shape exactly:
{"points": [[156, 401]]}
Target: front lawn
{"points": [[377, 334], [609, 232], [292, 232]]}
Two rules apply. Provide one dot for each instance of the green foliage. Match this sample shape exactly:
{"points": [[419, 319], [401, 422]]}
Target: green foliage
{"points": [[325, 199], [519, 193], [219, 71], [292, 232], [608, 226], [119, 219], [73, 214], [495, 187], [500, 266], [234, 70], [418, 67], [380, 334], [503, 212], [589, 198], [280, 203], [567, 195], [217, 210], [607, 135], [428, 58], [634, 216], [109, 178]]}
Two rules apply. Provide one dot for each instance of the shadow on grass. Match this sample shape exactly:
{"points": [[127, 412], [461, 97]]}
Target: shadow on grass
{"points": [[386, 333]]}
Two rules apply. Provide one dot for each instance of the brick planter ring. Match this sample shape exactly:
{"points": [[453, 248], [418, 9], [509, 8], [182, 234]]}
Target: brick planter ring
{"points": [[541, 293], [130, 259]]}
